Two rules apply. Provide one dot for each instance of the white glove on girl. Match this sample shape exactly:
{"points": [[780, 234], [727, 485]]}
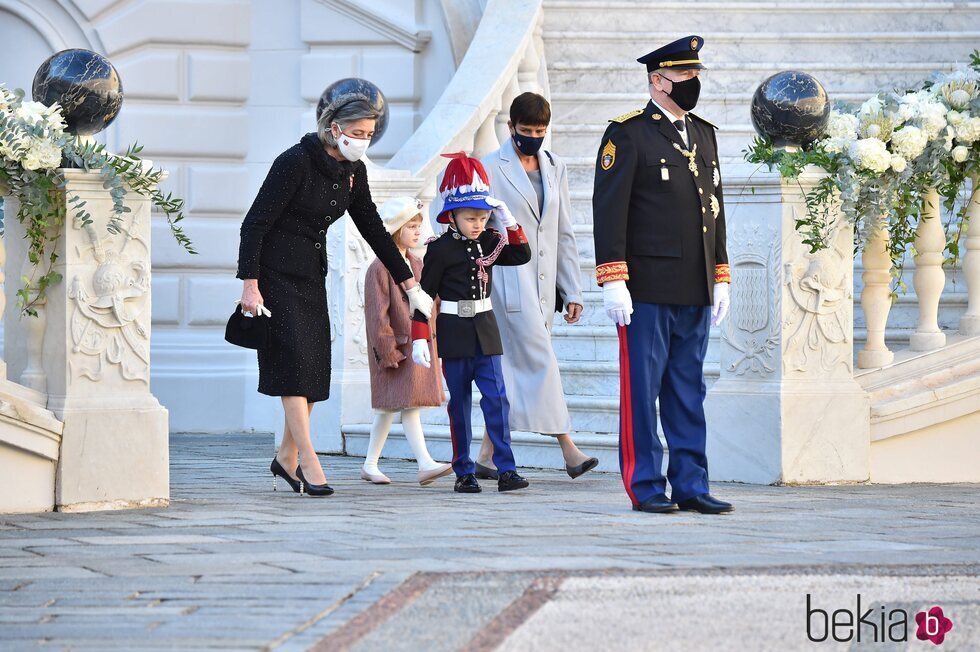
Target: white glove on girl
{"points": [[420, 353], [419, 300]]}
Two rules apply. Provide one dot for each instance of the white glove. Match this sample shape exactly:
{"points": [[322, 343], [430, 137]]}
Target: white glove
{"points": [[720, 307], [259, 308], [617, 301], [419, 300], [420, 353], [507, 220]]}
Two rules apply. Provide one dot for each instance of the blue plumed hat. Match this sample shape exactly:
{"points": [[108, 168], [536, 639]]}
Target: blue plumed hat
{"points": [[465, 184]]}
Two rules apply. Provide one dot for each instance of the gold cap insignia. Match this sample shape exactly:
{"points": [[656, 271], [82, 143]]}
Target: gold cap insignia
{"points": [[656, 116], [608, 156], [694, 43]]}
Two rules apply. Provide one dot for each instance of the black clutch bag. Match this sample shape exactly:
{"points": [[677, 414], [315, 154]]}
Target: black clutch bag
{"points": [[247, 332]]}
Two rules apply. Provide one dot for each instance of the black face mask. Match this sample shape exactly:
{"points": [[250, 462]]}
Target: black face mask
{"points": [[527, 145], [685, 93]]}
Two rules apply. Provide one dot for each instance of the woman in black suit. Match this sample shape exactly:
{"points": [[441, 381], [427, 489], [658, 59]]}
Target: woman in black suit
{"points": [[283, 262]]}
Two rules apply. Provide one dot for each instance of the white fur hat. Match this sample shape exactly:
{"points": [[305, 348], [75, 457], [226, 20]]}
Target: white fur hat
{"points": [[398, 210]]}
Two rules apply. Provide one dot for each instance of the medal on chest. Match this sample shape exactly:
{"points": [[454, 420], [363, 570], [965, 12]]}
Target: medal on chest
{"points": [[690, 155]]}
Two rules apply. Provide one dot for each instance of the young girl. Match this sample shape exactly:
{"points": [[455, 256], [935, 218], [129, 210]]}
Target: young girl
{"points": [[396, 383]]}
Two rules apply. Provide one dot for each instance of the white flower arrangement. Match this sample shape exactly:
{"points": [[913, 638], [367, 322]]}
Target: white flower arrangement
{"points": [[885, 155], [33, 147]]}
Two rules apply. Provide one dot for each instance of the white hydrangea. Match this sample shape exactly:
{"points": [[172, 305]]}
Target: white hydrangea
{"points": [[968, 131], [898, 164], [908, 142], [32, 112], [842, 125], [932, 118], [47, 154], [837, 144], [956, 118], [960, 153], [870, 154]]}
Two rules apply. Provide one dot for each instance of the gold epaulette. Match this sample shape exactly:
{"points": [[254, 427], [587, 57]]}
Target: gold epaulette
{"points": [[707, 122], [626, 116]]}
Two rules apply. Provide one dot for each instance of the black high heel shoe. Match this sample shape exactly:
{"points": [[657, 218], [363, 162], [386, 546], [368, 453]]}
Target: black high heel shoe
{"points": [[278, 471], [312, 489]]}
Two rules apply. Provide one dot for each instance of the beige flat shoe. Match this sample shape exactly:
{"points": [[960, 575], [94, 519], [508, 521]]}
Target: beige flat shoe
{"points": [[428, 477], [376, 478]]}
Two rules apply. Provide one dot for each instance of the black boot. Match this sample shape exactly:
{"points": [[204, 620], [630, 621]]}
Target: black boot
{"points": [[467, 484]]}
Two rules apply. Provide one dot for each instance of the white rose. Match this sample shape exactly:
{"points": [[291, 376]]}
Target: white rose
{"points": [[32, 112], [898, 164], [960, 153], [837, 145], [871, 154], [31, 161], [955, 118], [908, 142]]}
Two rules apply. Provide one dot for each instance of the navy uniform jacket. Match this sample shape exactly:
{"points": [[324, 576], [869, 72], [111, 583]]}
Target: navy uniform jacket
{"points": [[656, 225], [449, 271]]}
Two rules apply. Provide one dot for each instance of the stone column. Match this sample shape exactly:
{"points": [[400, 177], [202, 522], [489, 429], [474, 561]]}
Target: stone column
{"points": [[96, 356], [786, 407], [348, 259]]}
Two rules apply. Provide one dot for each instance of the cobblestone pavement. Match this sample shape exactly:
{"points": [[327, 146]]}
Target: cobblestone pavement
{"points": [[565, 565]]}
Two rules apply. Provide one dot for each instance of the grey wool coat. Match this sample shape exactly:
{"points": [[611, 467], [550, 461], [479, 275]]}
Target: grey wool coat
{"points": [[524, 297], [397, 383]]}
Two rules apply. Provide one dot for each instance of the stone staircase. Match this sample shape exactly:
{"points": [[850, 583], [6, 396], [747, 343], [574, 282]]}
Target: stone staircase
{"points": [[590, 48]]}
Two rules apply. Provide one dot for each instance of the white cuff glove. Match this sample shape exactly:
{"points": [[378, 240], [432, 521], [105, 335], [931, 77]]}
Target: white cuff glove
{"points": [[419, 300], [507, 220], [259, 308], [617, 301], [721, 302], [420, 353]]}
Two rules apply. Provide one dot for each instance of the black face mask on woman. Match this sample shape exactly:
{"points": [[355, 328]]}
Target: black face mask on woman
{"points": [[685, 93], [527, 145]]}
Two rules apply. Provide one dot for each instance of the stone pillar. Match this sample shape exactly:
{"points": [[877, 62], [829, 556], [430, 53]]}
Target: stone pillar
{"points": [[786, 407], [96, 356], [970, 321], [348, 259], [929, 277]]}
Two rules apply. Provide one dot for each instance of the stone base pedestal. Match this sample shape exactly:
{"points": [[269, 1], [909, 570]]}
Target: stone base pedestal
{"points": [[786, 407]]}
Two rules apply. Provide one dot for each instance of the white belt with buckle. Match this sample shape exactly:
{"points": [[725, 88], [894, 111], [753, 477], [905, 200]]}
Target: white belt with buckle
{"points": [[465, 308]]}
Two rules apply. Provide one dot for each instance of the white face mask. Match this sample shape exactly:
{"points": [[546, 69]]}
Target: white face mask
{"points": [[352, 148]]}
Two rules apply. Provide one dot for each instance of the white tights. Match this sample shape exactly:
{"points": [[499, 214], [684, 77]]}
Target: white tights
{"points": [[412, 424]]}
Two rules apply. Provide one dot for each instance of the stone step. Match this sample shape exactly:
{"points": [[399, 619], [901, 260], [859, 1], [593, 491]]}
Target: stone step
{"points": [[598, 414], [608, 74], [771, 16], [583, 139], [760, 45], [725, 108]]}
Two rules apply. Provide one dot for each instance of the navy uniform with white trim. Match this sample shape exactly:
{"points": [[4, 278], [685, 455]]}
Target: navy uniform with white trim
{"points": [[659, 230], [459, 271]]}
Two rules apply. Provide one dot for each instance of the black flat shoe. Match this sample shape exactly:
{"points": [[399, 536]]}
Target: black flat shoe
{"points": [[706, 504], [312, 489], [278, 471], [510, 481], [586, 466], [467, 484], [659, 504], [485, 472]]}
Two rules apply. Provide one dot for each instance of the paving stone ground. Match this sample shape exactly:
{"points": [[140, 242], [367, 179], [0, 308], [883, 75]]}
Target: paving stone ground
{"points": [[565, 565]]}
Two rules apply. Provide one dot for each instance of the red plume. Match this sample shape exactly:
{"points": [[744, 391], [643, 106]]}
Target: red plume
{"points": [[461, 171]]}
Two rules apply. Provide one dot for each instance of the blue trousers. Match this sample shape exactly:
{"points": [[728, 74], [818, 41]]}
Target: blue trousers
{"points": [[662, 356], [460, 374]]}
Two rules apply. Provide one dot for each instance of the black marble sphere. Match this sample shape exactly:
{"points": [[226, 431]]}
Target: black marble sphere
{"points": [[791, 108], [344, 90], [85, 84]]}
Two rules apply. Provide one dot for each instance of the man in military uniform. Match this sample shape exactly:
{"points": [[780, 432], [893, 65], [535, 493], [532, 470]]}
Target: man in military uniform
{"points": [[659, 228]]}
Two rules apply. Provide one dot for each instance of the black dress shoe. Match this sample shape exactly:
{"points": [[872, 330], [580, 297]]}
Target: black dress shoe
{"points": [[312, 489], [467, 484], [485, 472], [706, 504], [509, 481], [659, 504], [577, 470], [278, 471]]}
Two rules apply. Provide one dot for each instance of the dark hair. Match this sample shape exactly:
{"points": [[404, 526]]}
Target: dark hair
{"points": [[530, 109]]}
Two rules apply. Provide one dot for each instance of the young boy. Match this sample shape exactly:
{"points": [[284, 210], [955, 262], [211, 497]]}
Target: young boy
{"points": [[457, 268]]}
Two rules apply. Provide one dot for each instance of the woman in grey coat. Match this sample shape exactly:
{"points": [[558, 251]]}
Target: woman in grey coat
{"points": [[534, 184]]}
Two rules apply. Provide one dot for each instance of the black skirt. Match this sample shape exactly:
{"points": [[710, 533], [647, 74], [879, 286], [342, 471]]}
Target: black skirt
{"points": [[297, 361]]}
